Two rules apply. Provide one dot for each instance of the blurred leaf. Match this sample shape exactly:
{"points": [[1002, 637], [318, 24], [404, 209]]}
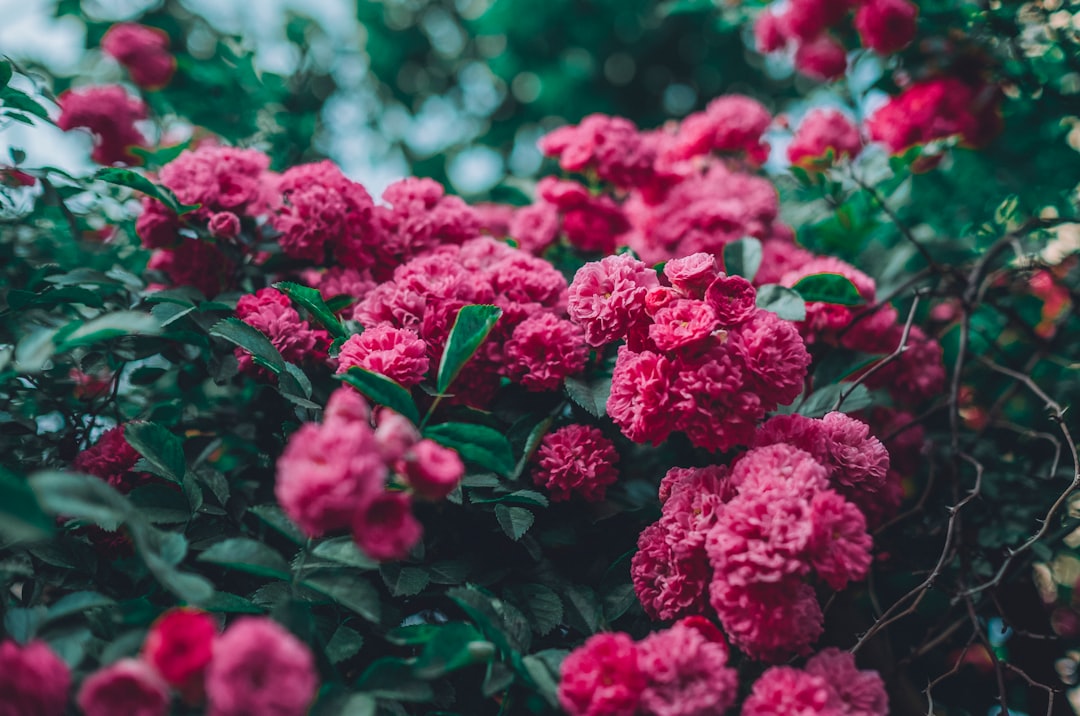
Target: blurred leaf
{"points": [[821, 401], [784, 302], [381, 391], [111, 325], [247, 555], [829, 288], [77, 603], [82, 497], [476, 443], [453, 646], [392, 678], [349, 590], [471, 326], [344, 551], [743, 258], [404, 581], [344, 644], [21, 518]]}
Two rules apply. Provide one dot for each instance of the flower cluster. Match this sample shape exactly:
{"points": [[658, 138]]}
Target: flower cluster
{"points": [[336, 475], [110, 114], [699, 357], [273, 314], [806, 27], [255, 666], [829, 684], [532, 343], [143, 51], [747, 539], [576, 459], [680, 671]]}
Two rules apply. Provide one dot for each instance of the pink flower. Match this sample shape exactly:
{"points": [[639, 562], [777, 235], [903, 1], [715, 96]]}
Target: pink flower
{"points": [[224, 225], [395, 434], [730, 124], [712, 478], [934, 109], [341, 281], [669, 582], [612, 146], [768, 620], [807, 19], [432, 471], [111, 458], [419, 217], [220, 179], [859, 693], [544, 350], [823, 131], [860, 461], [385, 528], [786, 691], [778, 256], [535, 227], [396, 353], [710, 399], [179, 647], [591, 223], [576, 459], [886, 26], [157, 226], [732, 298], [326, 472], [775, 357], [128, 686], [682, 322], [348, 405], [779, 468], [640, 395], [260, 668], [686, 671], [691, 275], [195, 263], [110, 115], [272, 312], [770, 34], [322, 211], [607, 297], [143, 50], [840, 549], [822, 58], [33, 680], [602, 677], [823, 319]]}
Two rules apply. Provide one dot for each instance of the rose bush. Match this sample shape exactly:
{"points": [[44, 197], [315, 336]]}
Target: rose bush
{"points": [[688, 429]]}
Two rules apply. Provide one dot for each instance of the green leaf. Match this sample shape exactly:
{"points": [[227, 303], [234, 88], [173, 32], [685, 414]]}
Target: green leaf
{"points": [[500, 622], [404, 581], [17, 99], [543, 668], [21, 517], [111, 325], [582, 608], [160, 156], [453, 646], [247, 555], [136, 181], [349, 590], [77, 603], [82, 497], [515, 521], [592, 395], [392, 678], [163, 451], [382, 391], [471, 326], [227, 603], [784, 302], [276, 519], [312, 301], [252, 340], [344, 644], [480, 444], [161, 552], [821, 401], [743, 258], [542, 605], [5, 72], [829, 288], [343, 550]]}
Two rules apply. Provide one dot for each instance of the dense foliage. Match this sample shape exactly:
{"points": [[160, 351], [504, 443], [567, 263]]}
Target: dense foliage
{"points": [[757, 402]]}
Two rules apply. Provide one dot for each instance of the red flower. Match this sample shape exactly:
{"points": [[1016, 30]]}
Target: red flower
{"points": [[110, 115], [179, 646], [143, 50]]}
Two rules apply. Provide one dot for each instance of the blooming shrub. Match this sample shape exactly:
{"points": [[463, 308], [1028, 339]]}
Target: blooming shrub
{"points": [[682, 429]]}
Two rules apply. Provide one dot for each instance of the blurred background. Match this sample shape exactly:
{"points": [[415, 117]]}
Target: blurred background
{"points": [[458, 90]]}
